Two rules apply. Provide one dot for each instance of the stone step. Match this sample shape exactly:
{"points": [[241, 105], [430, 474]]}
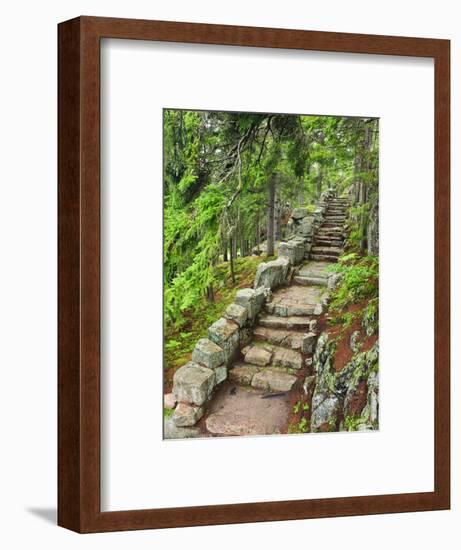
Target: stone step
{"points": [[330, 237], [308, 281], [323, 257], [281, 337], [294, 322], [328, 242], [326, 232], [289, 309], [287, 358], [333, 251], [294, 301], [242, 374], [273, 380], [269, 379]]}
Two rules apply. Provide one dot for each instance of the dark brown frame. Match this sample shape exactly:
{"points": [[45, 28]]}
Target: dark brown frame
{"points": [[79, 284]]}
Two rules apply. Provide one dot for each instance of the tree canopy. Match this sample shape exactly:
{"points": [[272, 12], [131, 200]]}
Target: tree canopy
{"points": [[230, 178]]}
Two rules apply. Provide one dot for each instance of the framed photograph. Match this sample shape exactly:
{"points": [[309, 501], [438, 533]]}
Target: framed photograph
{"points": [[254, 274]]}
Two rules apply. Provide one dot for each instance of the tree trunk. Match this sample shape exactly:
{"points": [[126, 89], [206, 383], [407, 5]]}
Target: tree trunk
{"points": [[210, 293], [319, 181], [270, 216], [234, 246], [243, 244], [278, 219], [231, 257]]}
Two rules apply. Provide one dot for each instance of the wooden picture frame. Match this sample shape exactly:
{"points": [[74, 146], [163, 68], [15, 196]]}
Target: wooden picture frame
{"points": [[79, 274]]}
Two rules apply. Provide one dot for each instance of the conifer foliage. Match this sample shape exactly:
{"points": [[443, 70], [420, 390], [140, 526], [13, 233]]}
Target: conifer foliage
{"points": [[231, 179]]}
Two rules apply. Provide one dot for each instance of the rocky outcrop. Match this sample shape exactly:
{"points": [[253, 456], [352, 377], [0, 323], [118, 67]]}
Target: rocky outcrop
{"points": [[325, 402], [347, 399]]}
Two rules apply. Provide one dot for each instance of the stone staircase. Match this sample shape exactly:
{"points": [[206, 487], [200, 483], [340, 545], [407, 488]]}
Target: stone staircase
{"points": [[329, 238], [264, 342], [284, 337]]}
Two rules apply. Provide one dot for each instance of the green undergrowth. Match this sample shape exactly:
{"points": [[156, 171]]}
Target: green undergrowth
{"points": [[180, 337], [359, 284]]}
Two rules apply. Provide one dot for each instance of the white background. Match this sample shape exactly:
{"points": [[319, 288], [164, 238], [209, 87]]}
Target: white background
{"points": [[28, 289], [398, 459]]}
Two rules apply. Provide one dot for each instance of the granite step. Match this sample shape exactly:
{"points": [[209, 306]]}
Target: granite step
{"points": [[280, 337], [295, 322], [289, 309], [331, 250], [262, 354], [323, 257], [328, 242], [308, 281], [271, 379]]}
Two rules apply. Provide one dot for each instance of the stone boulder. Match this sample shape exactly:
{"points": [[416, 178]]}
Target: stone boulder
{"points": [[246, 297], [236, 313], [293, 251], [171, 431], [305, 227], [272, 274], [193, 383], [187, 415], [300, 213], [225, 334], [208, 353]]}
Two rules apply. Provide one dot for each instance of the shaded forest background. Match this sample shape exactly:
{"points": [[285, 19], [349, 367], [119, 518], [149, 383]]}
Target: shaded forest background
{"points": [[230, 183]]}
